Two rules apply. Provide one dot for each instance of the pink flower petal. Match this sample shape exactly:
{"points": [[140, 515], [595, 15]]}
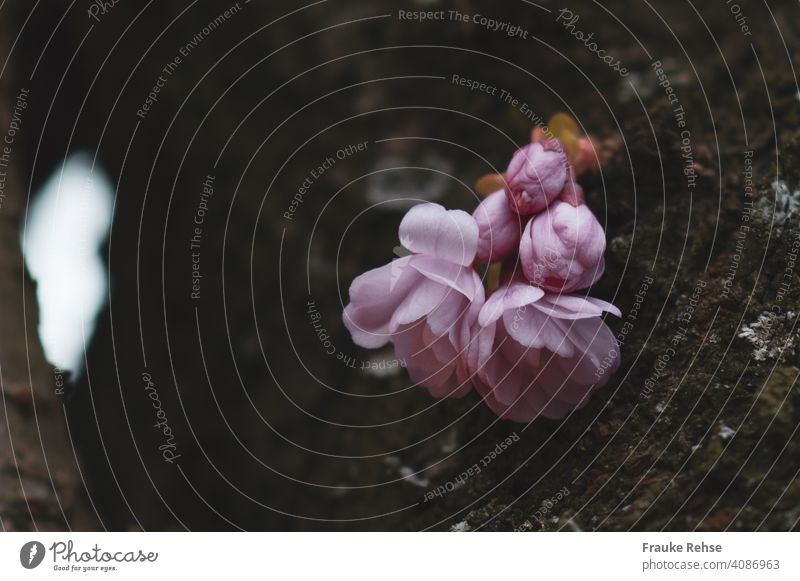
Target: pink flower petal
{"points": [[564, 306], [499, 228], [420, 301], [374, 296], [450, 235], [464, 280], [513, 296]]}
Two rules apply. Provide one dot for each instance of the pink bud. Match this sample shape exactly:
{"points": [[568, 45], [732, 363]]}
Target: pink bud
{"points": [[587, 156], [562, 249], [499, 228], [537, 134], [572, 194], [536, 175]]}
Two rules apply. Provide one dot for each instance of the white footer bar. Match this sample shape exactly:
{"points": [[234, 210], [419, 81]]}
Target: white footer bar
{"points": [[389, 556]]}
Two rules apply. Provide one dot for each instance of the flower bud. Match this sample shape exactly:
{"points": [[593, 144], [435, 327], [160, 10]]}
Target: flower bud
{"points": [[536, 175], [586, 158], [499, 228], [572, 194], [562, 249]]}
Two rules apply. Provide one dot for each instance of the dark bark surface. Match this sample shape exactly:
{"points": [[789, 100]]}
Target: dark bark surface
{"points": [[270, 430]]}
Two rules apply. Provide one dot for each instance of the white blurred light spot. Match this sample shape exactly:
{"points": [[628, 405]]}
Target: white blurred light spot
{"points": [[406, 181], [67, 223]]}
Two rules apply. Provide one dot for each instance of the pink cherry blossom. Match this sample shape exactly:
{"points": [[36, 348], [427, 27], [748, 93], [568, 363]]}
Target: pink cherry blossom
{"points": [[531, 349], [562, 248], [425, 304], [499, 228], [536, 175], [536, 354]]}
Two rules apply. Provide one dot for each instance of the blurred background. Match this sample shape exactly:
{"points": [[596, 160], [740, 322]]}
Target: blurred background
{"points": [[188, 188]]}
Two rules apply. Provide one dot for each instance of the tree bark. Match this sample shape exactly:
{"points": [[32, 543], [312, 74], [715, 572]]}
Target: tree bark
{"points": [[241, 376], [41, 485]]}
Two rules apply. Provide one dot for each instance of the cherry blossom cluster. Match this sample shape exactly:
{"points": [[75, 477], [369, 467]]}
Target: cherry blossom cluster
{"points": [[518, 335]]}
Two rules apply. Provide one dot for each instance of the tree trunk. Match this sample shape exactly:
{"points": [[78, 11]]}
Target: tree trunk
{"points": [[41, 483], [211, 402]]}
